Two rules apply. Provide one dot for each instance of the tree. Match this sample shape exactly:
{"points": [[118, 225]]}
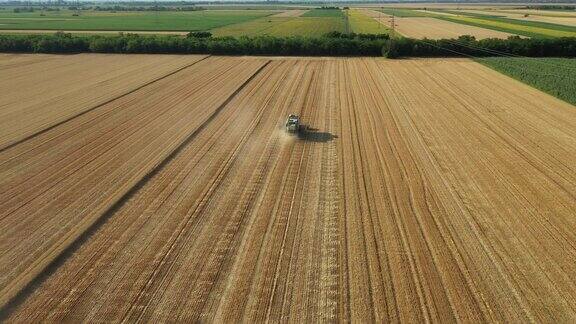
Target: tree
{"points": [[390, 49]]}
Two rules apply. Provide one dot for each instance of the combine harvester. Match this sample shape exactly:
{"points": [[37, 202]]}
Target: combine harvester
{"points": [[293, 125]]}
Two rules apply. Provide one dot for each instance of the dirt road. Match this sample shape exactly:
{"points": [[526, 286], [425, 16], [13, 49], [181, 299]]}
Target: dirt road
{"points": [[423, 190]]}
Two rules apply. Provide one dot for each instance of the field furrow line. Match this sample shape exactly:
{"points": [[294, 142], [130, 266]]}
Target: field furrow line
{"points": [[358, 196], [211, 188], [270, 260], [213, 256], [300, 269], [330, 299], [291, 208], [239, 280], [378, 207]]}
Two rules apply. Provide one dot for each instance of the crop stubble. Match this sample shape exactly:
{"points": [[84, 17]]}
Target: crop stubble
{"points": [[424, 190]]}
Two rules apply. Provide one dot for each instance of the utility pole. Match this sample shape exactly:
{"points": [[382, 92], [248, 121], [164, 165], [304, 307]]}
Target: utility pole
{"points": [[393, 36], [380, 17], [347, 23], [156, 12], [393, 25], [77, 7]]}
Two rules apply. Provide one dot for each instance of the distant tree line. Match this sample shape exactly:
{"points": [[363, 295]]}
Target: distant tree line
{"points": [[196, 43], [332, 44]]}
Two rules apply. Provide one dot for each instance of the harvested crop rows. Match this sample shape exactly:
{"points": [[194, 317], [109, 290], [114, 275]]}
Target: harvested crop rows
{"points": [[414, 195], [45, 93]]}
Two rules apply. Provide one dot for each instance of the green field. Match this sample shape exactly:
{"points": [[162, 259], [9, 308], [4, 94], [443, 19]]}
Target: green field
{"points": [[362, 24], [336, 13], [283, 26], [552, 75], [136, 21]]}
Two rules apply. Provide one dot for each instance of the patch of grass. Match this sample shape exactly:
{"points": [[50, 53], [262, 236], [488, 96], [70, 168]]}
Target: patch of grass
{"points": [[283, 26], [336, 13], [362, 24], [173, 21], [554, 76]]}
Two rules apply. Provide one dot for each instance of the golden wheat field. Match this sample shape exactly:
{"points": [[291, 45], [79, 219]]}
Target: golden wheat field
{"points": [[165, 189]]}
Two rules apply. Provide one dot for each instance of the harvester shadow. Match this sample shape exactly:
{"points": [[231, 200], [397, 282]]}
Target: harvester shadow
{"points": [[313, 135]]}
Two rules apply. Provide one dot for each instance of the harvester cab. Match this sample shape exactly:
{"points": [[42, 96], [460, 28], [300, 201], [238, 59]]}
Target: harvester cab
{"points": [[293, 124]]}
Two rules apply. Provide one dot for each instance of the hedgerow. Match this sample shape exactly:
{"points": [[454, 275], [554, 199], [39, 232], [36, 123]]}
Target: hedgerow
{"points": [[332, 44]]}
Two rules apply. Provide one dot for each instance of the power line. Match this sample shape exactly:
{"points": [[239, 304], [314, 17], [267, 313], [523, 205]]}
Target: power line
{"points": [[478, 57], [504, 54]]}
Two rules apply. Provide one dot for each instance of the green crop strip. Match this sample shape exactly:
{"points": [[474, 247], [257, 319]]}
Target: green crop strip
{"points": [[554, 76]]}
